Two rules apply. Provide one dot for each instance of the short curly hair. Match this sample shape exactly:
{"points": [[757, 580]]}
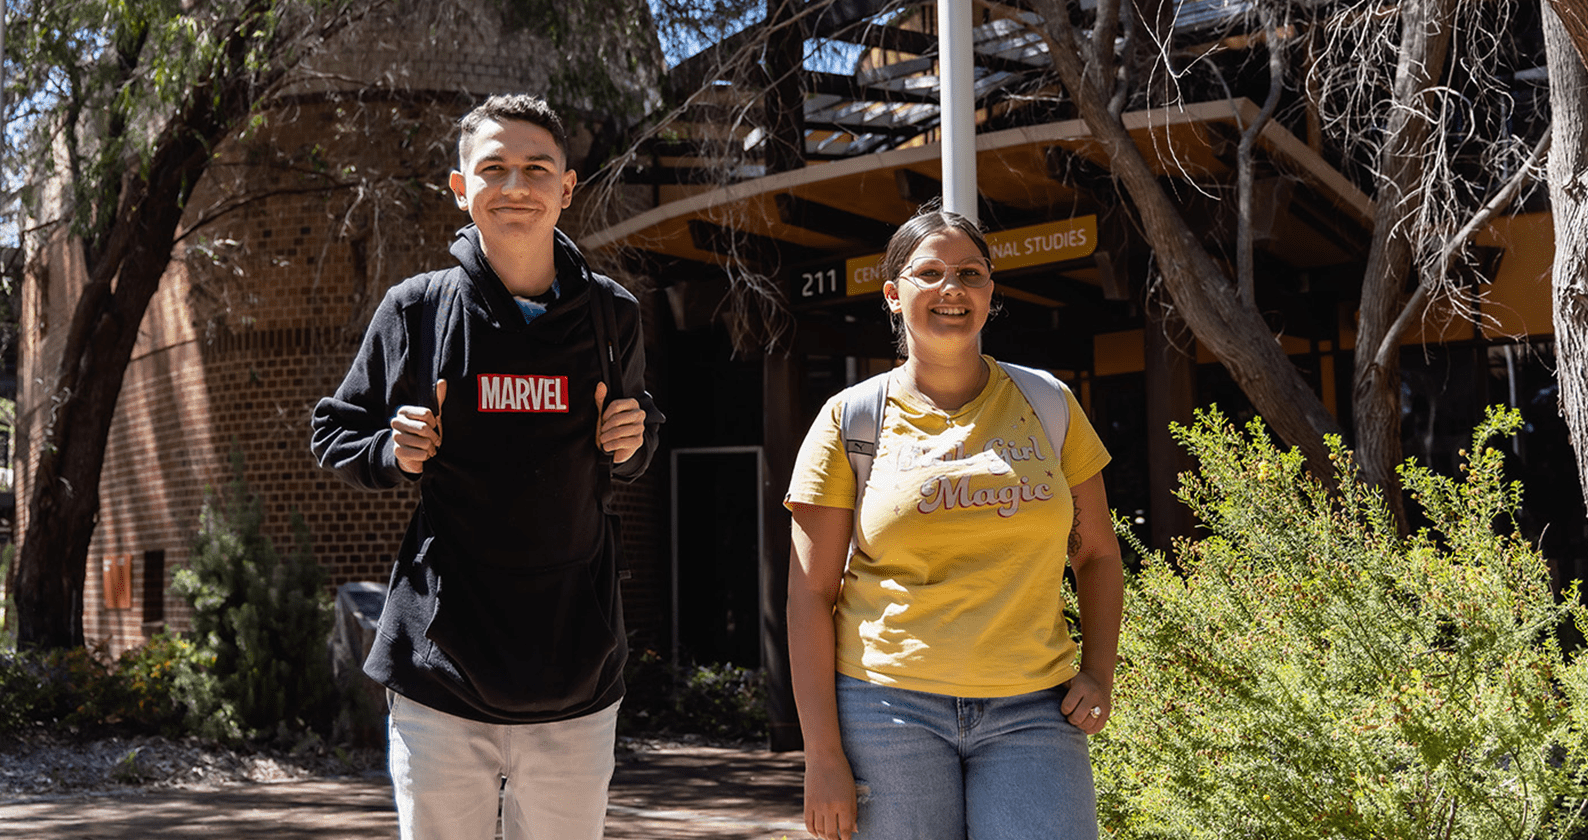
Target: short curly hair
{"points": [[511, 106]]}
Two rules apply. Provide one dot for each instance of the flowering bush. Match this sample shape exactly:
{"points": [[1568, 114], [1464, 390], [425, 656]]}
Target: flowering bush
{"points": [[81, 688], [1302, 670], [149, 693]]}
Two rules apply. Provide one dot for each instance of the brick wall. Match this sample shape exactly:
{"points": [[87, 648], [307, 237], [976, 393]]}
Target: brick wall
{"points": [[260, 314]]}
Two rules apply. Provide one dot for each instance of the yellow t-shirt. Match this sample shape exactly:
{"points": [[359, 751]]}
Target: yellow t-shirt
{"points": [[955, 586]]}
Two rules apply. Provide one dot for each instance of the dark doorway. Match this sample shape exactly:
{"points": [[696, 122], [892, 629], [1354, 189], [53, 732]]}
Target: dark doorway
{"points": [[717, 555]]}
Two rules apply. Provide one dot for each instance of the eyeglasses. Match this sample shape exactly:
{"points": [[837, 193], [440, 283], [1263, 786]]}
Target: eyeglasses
{"points": [[929, 272]]}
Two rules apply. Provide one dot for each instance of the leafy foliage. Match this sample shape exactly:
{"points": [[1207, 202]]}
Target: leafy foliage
{"points": [[82, 689], [8, 612], [62, 688], [595, 67], [260, 624], [1304, 671], [721, 701], [149, 684], [107, 84]]}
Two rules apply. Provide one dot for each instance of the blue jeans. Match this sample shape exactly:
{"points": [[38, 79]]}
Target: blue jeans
{"points": [[935, 767]]}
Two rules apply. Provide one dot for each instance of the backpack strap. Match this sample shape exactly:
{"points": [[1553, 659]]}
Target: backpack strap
{"points": [[861, 425], [435, 326], [604, 320], [1046, 394], [861, 421]]}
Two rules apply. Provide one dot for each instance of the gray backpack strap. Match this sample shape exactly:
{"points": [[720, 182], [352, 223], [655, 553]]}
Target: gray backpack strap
{"points": [[1046, 394], [861, 425], [861, 421]]}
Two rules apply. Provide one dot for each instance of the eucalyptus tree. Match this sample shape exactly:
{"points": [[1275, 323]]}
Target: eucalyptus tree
{"points": [[1418, 102], [123, 104], [1415, 100], [1566, 38]]}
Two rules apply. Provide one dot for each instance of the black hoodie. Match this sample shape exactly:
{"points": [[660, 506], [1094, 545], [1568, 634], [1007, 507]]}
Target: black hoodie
{"points": [[503, 604]]}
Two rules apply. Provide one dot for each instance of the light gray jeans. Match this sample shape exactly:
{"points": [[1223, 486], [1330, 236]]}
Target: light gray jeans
{"points": [[447, 775]]}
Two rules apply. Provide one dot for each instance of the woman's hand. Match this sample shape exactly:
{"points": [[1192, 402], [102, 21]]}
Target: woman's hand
{"points": [[819, 546], [829, 798], [1086, 694]]}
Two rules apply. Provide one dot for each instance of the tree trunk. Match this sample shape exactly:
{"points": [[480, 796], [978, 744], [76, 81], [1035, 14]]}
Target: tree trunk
{"points": [[1573, 16], [1376, 391], [63, 503], [1568, 181], [785, 101], [1203, 295], [785, 151], [125, 266]]}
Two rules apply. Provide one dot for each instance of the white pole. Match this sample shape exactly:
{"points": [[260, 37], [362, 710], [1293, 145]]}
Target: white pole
{"points": [[958, 104]]}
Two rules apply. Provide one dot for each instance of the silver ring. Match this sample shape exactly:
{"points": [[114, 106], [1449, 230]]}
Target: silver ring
{"points": [[1097, 711]]}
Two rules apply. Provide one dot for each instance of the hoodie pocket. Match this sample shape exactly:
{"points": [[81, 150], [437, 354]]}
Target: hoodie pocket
{"points": [[521, 640]]}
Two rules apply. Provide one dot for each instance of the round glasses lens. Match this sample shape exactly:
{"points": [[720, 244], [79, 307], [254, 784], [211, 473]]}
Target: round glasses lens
{"points": [[929, 272]]}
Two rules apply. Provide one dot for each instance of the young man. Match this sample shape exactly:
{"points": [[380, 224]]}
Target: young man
{"points": [[502, 642]]}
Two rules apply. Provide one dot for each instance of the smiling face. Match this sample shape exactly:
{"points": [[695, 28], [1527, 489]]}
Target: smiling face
{"points": [[513, 182], [949, 318]]}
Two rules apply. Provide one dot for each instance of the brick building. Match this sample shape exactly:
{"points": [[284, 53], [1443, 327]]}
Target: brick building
{"points": [[262, 309]]}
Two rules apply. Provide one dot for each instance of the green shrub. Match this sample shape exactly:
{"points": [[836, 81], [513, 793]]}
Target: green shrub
{"points": [[80, 689], [1304, 671], [260, 625], [68, 688], [718, 701], [148, 691], [16, 705], [8, 612]]}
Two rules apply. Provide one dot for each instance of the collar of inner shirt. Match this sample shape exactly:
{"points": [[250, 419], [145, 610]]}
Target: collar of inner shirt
{"points": [[534, 307]]}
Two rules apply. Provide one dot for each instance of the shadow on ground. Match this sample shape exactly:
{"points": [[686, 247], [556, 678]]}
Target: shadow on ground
{"points": [[703, 793]]}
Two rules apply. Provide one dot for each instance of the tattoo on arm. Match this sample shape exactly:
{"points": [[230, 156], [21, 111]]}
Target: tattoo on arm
{"points": [[1075, 527]]}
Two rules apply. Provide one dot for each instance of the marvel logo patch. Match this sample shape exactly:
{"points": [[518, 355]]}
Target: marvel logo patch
{"points": [[506, 392]]}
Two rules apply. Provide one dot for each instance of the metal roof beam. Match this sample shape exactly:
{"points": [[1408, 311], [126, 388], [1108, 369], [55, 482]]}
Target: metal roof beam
{"points": [[849, 87]]}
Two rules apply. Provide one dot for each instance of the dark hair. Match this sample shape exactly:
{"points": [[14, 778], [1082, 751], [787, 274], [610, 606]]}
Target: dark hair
{"points": [[511, 106], [929, 220]]}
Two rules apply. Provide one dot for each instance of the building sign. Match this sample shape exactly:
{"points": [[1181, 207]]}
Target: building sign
{"points": [[1070, 239], [819, 282], [863, 275], [1051, 242]]}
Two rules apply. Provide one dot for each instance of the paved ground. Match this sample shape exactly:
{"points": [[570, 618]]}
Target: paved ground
{"points": [[708, 793]]}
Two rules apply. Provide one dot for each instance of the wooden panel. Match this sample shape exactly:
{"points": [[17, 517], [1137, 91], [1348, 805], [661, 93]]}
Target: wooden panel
{"points": [[1118, 352], [1019, 177], [1518, 302], [118, 582]]}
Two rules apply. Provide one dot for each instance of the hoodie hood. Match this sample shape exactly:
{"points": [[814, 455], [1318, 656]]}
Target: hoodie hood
{"points": [[492, 296]]}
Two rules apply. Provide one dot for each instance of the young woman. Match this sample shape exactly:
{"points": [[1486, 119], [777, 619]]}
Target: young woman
{"points": [[937, 682]]}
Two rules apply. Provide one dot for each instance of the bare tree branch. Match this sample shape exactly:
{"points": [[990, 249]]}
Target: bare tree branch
{"points": [[1244, 272], [755, 308], [1430, 284]]}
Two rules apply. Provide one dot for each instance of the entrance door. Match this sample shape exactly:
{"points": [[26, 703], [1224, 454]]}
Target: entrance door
{"points": [[717, 554]]}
